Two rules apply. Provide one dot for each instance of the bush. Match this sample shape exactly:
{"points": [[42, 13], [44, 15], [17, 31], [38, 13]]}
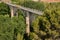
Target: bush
{"points": [[47, 26], [10, 28], [4, 9], [30, 4], [6, 28], [34, 36], [33, 5]]}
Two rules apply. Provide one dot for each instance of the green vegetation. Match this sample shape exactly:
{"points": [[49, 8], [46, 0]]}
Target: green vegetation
{"points": [[11, 28], [4, 9], [44, 27], [31, 4], [47, 26]]}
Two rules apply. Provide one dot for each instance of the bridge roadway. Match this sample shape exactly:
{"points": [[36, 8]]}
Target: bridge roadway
{"points": [[25, 8]]}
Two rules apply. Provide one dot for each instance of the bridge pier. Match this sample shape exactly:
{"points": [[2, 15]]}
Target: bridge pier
{"points": [[13, 11], [27, 23]]}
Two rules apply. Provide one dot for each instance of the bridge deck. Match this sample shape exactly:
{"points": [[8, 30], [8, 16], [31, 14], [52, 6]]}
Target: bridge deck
{"points": [[26, 9]]}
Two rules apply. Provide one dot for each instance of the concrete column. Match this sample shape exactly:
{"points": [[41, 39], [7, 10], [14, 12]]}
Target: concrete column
{"points": [[27, 24], [12, 11]]}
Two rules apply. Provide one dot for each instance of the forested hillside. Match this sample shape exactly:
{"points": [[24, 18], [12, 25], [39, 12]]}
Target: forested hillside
{"points": [[44, 27]]}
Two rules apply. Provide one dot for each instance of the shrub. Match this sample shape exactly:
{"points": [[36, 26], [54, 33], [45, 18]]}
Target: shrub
{"points": [[30, 4], [6, 28], [11, 28], [33, 5], [47, 26], [4, 9]]}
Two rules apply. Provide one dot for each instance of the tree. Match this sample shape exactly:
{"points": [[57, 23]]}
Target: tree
{"points": [[48, 26], [4, 9]]}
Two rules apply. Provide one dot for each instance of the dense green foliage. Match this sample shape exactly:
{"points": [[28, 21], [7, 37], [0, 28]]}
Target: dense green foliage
{"points": [[4, 9], [6, 28], [34, 5], [47, 26], [11, 28], [31, 4]]}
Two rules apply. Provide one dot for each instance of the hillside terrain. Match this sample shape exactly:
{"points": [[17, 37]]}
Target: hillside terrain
{"points": [[44, 27]]}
